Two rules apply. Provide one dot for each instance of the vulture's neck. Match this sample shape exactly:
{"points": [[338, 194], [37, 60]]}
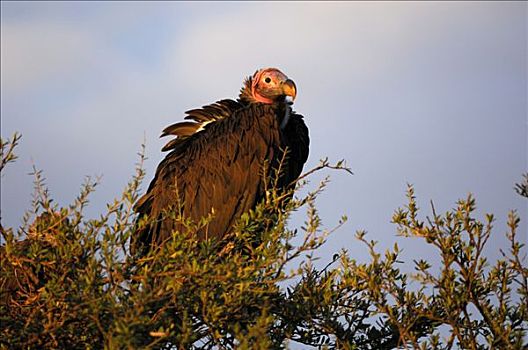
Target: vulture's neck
{"points": [[246, 97]]}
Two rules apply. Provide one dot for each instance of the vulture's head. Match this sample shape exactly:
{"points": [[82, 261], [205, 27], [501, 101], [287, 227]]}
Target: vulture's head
{"points": [[268, 85]]}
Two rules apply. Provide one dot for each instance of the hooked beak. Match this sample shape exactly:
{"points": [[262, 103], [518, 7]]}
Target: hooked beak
{"points": [[289, 89]]}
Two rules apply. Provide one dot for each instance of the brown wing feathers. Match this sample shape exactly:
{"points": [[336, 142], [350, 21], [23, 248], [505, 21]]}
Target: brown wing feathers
{"points": [[181, 129], [201, 117], [215, 111]]}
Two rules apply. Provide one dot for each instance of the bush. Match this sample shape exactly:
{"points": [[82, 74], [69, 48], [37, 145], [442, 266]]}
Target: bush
{"points": [[70, 282]]}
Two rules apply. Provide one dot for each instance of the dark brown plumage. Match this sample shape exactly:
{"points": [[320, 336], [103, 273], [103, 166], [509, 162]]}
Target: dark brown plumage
{"points": [[216, 162]]}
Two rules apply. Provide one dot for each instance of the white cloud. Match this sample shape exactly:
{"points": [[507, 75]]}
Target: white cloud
{"points": [[32, 54], [323, 40]]}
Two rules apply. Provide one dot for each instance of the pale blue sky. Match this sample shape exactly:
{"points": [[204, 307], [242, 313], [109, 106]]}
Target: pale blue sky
{"points": [[433, 94]]}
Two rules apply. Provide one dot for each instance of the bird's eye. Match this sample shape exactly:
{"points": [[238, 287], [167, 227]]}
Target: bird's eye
{"points": [[267, 80]]}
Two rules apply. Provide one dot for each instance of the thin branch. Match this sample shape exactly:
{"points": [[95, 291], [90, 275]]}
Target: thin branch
{"points": [[340, 165]]}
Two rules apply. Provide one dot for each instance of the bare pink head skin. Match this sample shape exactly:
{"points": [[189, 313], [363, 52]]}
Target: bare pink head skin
{"points": [[270, 84]]}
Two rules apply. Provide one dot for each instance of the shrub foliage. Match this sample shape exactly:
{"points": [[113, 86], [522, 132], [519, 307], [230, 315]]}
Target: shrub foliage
{"points": [[68, 281]]}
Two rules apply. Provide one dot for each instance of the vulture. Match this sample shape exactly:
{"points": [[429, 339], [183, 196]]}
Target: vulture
{"points": [[219, 159]]}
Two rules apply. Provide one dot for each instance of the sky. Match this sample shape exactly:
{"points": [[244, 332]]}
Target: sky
{"points": [[432, 94]]}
